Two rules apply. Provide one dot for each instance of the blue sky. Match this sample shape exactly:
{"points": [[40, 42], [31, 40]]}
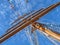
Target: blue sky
{"points": [[21, 7]]}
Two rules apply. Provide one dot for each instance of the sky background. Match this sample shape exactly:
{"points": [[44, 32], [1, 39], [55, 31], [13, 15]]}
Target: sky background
{"points": [[21, 7]]}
